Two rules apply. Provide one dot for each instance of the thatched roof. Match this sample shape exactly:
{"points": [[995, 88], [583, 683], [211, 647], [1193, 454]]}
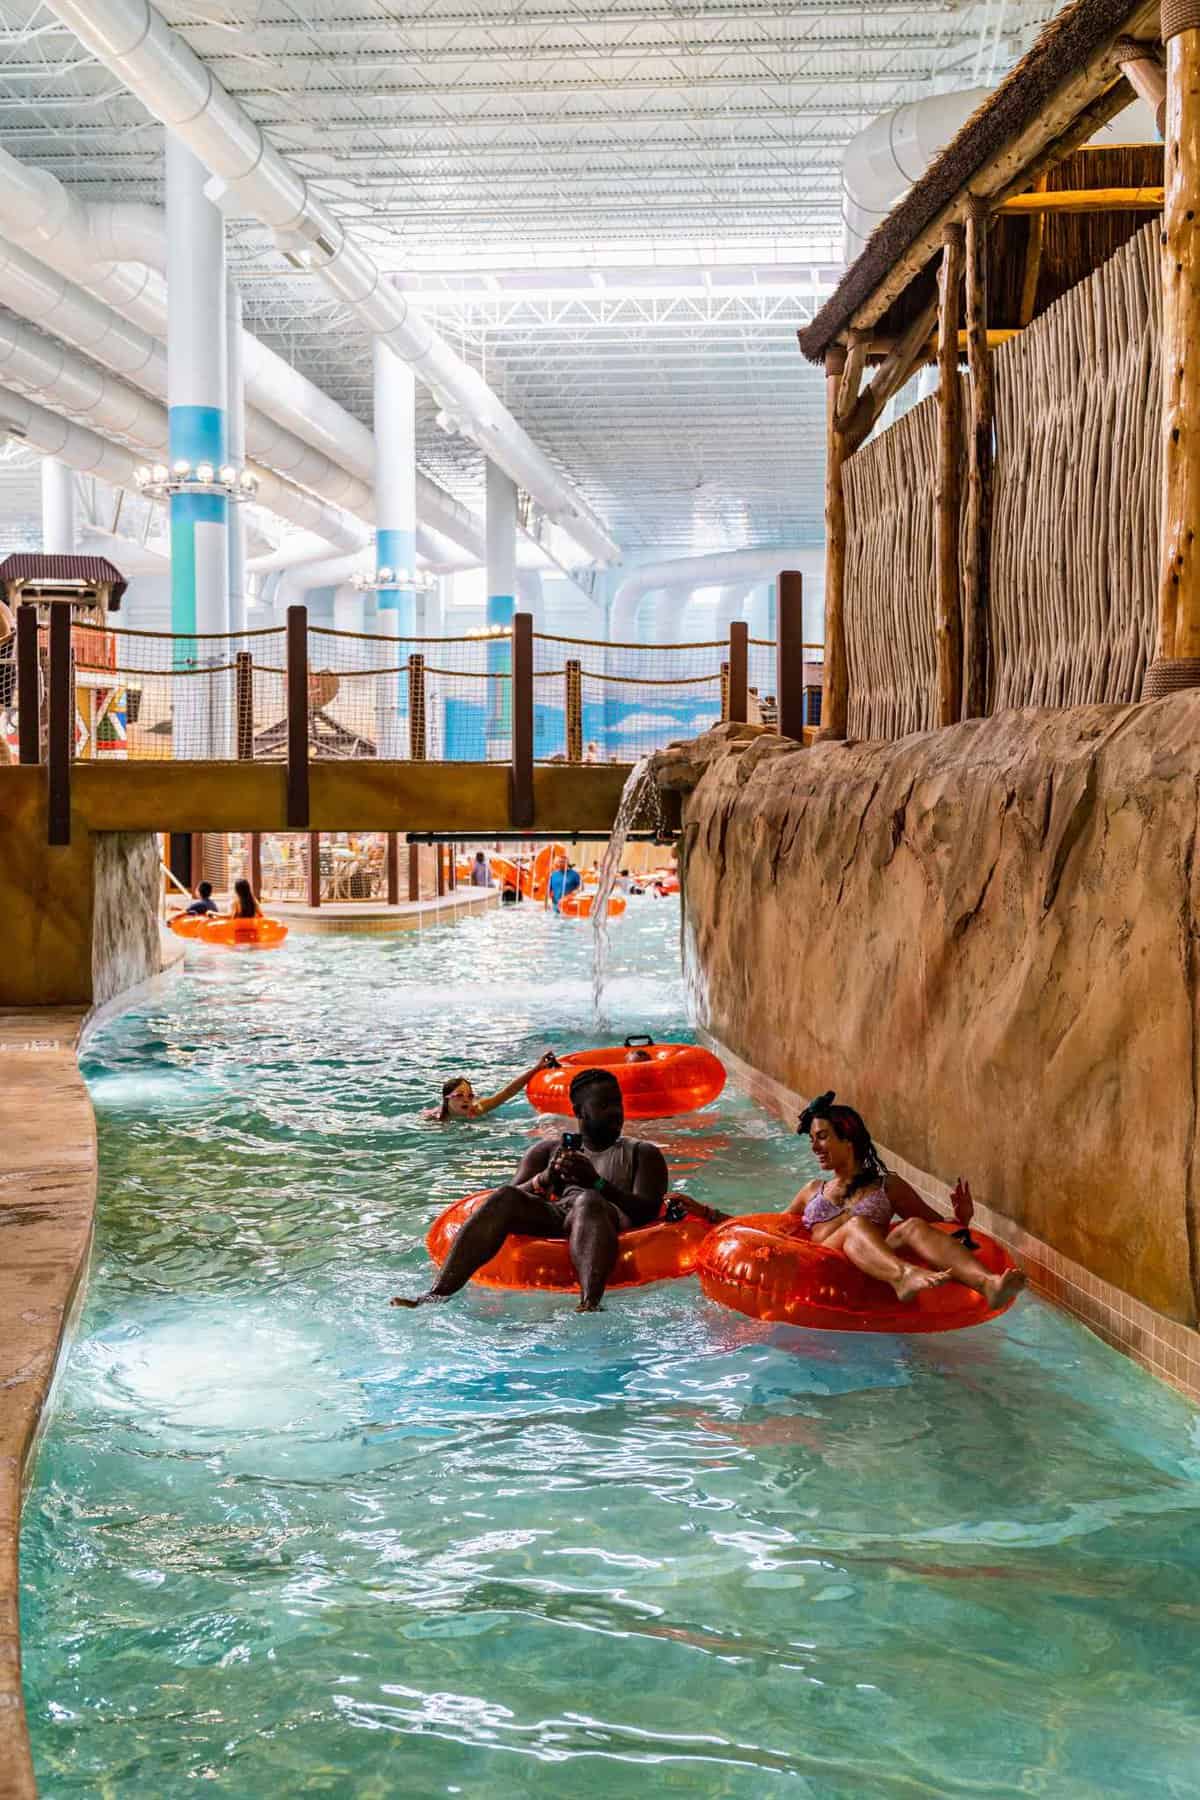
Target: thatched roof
{"points": [[1080, 36]]}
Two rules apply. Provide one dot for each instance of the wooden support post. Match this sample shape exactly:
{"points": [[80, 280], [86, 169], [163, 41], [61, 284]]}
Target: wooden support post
{"points": [[977, 573], [29, 702], [417, 742], [949, 483], [440, 865], [195, 859], [61, 728], [521, 785], [1033, 262], [256, 863], [835, 705], [297, 717], [1177, 663], [314, 868], [393, 868], [574, 679], [789, 654], [414, 872], [889, 377], [738, 710], [244, 704], [452, 866]]}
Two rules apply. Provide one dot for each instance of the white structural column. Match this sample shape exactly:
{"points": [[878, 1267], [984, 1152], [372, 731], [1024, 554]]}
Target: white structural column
{"points": [[501, 523], [395, 535], [197, 391], [731, 606], [236, 452], [58, 508]]}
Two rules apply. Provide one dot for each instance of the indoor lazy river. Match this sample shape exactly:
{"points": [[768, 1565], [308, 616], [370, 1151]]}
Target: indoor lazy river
{"points": [[285, 1538]]}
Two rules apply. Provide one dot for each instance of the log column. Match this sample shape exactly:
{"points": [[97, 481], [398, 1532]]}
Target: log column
{"points": [[977, 573], [835, 699], [949, 483], [1177, 662]]}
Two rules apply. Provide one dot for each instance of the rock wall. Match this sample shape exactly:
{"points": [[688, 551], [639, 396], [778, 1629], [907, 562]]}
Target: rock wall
{"points": [[986, 939], [126, 936]]}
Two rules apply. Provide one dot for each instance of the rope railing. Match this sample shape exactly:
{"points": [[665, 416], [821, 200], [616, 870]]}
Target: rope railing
{"points": [[308, 693]]}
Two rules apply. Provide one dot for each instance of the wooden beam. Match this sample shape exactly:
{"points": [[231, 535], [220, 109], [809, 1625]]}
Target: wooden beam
{"points": [[739, 672], [314, 868], [1093, 95], [297, 717], [1179, 584], [977, 571], [521, 811], [574, 709], [417, 743], [243, 691], [1033, 265], [835, 703], [60, 733], [1081, 200], [882, 346], [29, 700], [856, 357], [393, 868], [949, 483], [789, 654], [414, 872], [256, 863], [889, 377]]}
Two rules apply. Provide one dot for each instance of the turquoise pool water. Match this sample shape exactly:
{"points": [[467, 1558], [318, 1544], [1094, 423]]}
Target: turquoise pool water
{"points": [[285, 1540]]}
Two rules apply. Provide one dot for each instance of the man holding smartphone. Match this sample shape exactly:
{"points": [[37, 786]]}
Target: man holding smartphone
{"points": [[587, 1187]]}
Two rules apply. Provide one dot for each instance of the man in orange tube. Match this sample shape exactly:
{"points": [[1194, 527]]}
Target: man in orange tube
{"points": [[587, 1187]]}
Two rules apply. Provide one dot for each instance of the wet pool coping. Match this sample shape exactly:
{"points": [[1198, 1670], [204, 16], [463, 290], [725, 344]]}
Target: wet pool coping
{"points": [[47, 1208], [1163, 1347]]}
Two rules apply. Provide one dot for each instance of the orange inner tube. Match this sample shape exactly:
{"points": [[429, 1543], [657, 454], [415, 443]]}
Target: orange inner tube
{"points": [[236, 934], [579, 905], [679, 1078], [660, 1252], [766, 1266]]}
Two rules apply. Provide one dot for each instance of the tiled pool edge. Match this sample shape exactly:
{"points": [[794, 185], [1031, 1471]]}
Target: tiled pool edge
{"points": [[48, 1203], [1164, 1348]]}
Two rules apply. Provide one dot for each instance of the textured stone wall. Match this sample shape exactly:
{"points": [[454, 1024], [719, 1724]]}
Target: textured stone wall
{"points": [[986, 939], [126, 937]]}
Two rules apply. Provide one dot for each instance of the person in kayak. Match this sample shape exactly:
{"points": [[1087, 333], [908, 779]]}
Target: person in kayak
{"points": [[852, 1209], [460, 1101], [588, 1194]]}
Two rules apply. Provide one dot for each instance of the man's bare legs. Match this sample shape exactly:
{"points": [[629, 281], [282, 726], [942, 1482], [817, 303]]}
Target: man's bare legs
{"points": [[509, 1210]]}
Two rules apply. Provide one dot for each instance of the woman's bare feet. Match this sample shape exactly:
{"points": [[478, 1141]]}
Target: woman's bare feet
{"points": [[914, 1281], [998, 1290]]}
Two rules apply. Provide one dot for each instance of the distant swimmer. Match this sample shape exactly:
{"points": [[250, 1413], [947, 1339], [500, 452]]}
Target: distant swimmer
{"points": [[853, 1209], [587, 1187], [460, 1101]]}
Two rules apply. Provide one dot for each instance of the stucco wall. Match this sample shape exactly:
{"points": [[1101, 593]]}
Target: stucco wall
{"points": [[126, 936], [985, 938]]}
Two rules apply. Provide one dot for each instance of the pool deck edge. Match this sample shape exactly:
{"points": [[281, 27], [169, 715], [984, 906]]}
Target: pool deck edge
{"points": [[1163, 1347]]}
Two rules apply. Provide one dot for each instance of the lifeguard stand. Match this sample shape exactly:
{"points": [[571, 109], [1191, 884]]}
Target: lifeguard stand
{"points": [[92, 587]]}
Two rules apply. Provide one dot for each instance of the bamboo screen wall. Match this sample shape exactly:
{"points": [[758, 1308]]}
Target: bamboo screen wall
{"points": [[1076, 494], [1075, 519]]}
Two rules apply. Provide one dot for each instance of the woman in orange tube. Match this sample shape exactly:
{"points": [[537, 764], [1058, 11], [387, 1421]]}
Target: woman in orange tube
{"points": [[852, 1209], [245, 906]]}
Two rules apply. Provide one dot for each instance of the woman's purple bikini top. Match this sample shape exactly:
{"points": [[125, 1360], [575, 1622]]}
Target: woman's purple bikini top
{"points": [[873, 1205]]}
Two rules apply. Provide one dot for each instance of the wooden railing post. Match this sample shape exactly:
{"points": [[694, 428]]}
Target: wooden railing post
{"points": [[739, 672], [393, 868], [789, 655], [297, 717], [61, 728], [977, 573], [521, 785], [724, 692], [452, 866], [243, 692], [414, 872], [29, 705], [256, 862], [417, 740], [1177, 660], [574, 681], [440, 866], [835, 703], [949, 483], [314, 868]]}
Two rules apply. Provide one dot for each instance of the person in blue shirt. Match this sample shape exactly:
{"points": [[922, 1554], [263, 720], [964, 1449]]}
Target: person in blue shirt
{"points": [[563, 881], [204, 902]]}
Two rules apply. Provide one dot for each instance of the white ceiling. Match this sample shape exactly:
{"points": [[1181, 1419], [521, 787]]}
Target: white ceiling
{"points": [[620, 213]]}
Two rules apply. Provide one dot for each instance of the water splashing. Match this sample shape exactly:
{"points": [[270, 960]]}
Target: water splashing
{"points": [[639, 795]]}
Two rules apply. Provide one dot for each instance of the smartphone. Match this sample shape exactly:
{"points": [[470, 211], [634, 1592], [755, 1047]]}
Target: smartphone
{"points": [[572, 1140]]}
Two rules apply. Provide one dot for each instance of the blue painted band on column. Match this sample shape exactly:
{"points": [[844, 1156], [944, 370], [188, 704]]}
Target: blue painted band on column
{"points": [[197, 433], [397, 550], [500, 610]]}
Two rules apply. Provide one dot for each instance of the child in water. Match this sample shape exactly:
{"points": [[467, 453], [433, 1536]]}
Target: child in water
{"points": [[459, 1100]]}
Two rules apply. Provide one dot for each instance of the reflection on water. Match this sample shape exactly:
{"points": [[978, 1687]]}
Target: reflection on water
{"points": [[287, 1540]]}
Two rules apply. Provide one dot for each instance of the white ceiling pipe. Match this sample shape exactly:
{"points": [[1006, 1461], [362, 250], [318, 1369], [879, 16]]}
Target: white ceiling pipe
{"points": [[691, 572], [82, 450], [37, 208], [731, 606], [137, 44], [322, 572], [306, 547], [883, 160]]}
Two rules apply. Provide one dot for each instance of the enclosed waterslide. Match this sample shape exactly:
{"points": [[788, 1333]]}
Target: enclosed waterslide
{"points": [[682, 576], [142, 50]]}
